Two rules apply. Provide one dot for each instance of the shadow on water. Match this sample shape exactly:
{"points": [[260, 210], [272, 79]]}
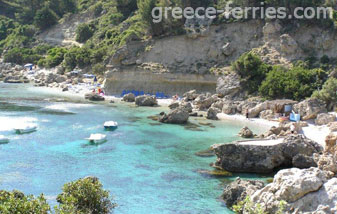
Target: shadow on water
{"points": [[55, 112], [12, 107]]}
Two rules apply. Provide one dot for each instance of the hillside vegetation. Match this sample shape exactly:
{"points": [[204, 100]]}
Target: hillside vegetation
{"points": [[115, 23]]}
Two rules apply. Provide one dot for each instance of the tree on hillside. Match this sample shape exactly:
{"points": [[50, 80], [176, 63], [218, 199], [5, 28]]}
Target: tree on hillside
{"points": [[126, 7], [45, 18]]}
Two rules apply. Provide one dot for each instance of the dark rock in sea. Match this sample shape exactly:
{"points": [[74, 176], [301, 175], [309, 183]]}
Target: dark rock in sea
{"points": [[214, 173], [206, 153], [212, 113], [174, 105], [146, 100], [237, 157], [176, 116], [130, 98], [245, 132], [93, 97], [238, 191]]}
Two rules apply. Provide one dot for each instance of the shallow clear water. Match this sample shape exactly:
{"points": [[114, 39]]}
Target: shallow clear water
{"points": [[148, 167]]}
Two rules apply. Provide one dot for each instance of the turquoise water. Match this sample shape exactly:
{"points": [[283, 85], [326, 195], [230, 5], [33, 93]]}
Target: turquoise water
{"points": [[147, 167]]}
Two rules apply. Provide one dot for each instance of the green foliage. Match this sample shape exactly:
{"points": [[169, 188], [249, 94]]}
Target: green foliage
{"points": [[17, 203], [84, 196], [54, 58], [21, 56], [76, 56], [126, 7], [45, 18], [297, 83], [328, 93], [22, 36], [247, 206], [253, 71], [84, 32]]}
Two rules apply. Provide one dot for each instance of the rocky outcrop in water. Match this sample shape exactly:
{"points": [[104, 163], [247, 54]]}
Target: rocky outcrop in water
{"points": [[175, 116], [130, 98], [212, 113], [146, 100], [237, 157], [93, 97], [245, 132]]}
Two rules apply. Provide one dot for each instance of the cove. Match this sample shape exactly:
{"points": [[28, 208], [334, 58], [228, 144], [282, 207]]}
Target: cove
{"points": [[147, 167]]}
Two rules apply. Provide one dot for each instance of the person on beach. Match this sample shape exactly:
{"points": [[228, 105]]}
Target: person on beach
{"points": [[292, 128], [247, 115]]}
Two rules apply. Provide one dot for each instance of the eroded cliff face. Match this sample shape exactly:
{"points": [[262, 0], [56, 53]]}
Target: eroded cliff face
{"points": [[212, 52]]}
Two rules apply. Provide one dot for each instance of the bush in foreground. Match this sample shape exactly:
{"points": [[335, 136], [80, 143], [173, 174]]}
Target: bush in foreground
{"points": [[84, 196], [17, 203]]}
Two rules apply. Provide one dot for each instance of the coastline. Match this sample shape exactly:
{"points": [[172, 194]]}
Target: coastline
{"points": [[313, 132]]}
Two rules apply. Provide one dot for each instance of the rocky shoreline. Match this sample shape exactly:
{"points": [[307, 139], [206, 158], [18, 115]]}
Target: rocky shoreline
{"points": [[311, 181]]}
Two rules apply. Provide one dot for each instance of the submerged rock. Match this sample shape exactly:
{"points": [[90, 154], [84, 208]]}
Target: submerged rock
{"points": [[206, 153], [215, 173]]}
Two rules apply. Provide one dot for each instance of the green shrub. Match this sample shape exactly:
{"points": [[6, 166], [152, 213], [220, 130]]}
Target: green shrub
{"points": [[76, 56], [252, 70], [84, 196], [328, 93], [97, 9], [45, 18], [297, 83], [17, 203], [83, 33], [21, 56], [126, 7], [54, 58]]}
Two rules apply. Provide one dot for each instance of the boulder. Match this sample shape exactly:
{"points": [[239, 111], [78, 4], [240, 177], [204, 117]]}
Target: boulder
{"points": [[229, 85], [326, 162], [212, 113], [187, 106], [267, 114], [176, 116], [330, 143], [310, 108], [324, 119], [229, 107], [303, 190], [146, 100], [268, 105], [255, 158], [238, 190], [303, 162], [60, 79], [245, 132], [130, 98], [203, 102], [93, 97], [190, 95], [333, 126], [228, 49], [174, 105]]}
